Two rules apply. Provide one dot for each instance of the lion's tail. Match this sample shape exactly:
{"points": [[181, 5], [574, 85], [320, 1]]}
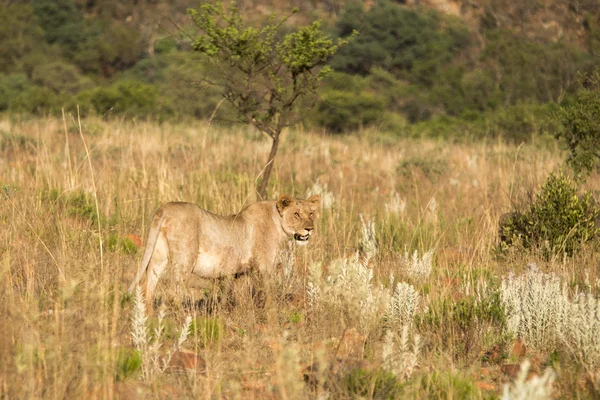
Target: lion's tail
{"points": [[157, 221]]}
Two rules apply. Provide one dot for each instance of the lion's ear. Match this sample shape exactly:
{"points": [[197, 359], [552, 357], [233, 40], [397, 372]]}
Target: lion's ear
{"points": [[314, 201], [283, 202]]}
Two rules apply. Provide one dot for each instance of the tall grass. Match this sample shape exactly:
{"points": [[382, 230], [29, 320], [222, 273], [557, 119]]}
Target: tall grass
{"points": [[68, 210]]}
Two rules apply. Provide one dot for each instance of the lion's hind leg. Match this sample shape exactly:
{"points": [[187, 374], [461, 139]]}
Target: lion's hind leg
{"points": [[183, 258], [156, 267]]}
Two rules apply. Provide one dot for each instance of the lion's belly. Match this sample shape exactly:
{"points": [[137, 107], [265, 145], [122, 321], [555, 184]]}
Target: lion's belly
{"points": [[210, 265]]}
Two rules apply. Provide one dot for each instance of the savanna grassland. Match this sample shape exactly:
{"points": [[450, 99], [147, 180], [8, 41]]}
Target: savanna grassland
{"points": [[389, 323]]}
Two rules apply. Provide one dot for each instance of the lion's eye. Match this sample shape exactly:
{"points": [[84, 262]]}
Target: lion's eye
{"points": [[297, 214], [311, 215]]}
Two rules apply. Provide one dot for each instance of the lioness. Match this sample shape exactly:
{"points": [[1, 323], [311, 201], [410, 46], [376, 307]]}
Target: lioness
{"points": [[210, 245]]}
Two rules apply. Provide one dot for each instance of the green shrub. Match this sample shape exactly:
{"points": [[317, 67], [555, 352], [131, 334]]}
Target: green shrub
{"points": [[77, 204], [61, 20], [558, 220], [108, 46], [19, 35], [60, 77], [469, 321], [519, 123], [10, 87], [526, 70], [448, 385], [370, 383], [128, 363], [341, 111], [37, 100], [119, 243], [580, 128], [130, 98], [207, 331], [411, 43]]}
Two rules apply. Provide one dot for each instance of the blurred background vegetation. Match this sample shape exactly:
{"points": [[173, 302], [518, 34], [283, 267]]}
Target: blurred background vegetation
{"points": [[452, 68]]}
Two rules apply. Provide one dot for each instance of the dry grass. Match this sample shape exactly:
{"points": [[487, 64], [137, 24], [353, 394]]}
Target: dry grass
{"points": [[65, 263]]}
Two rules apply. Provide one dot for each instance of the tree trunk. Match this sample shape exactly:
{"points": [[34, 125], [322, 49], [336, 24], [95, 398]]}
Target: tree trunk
{"points": [[262, 189]]}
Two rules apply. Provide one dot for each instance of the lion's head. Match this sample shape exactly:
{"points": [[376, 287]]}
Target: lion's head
{"points": [[297, 216]]}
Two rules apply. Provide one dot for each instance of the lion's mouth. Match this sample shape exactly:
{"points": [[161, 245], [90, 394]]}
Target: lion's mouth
{"points": [[301, 238]]}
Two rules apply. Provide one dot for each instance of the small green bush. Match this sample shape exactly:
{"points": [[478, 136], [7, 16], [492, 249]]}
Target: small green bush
{"points": [[558, 220], [470, 320], [447, 385], [119, 243], [128, 363], [207, 331], [370, 383], [77, 204]]}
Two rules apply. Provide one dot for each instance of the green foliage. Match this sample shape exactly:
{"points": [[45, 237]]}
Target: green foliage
{"points": [[37, 100], [128, 97], [207, 331], [527, 70], [119, 243], [263, 72], [408, 64], [342, 111], [412, 44], [19, 37], [447, 385], [76, 204], [259, 71], [128, 363], [469, 320], [108, 46], [371, 383], [558, 220], [580, 128], [60, 77], [10, 87], [61, 21]]}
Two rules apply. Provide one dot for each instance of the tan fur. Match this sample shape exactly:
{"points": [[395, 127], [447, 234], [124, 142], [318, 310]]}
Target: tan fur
{"points": [[194, 240]]}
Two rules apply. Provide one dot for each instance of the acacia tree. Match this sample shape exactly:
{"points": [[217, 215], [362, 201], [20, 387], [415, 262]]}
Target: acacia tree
{"points": [[263, 72]]}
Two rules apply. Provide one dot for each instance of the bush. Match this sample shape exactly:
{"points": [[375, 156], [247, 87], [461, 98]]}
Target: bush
{"points": [[37, 100], [60, 77], [18, 35], [558, 219], [108, 46], [131, 98], [580, 129], [471, 319], [529, 71], [412, 44], [341, 111], [10, 87], [77, 204], [370, 383]]}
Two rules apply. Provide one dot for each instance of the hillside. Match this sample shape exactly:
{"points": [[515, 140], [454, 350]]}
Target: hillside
{"points": [[472, 63]]}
